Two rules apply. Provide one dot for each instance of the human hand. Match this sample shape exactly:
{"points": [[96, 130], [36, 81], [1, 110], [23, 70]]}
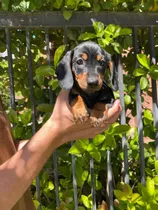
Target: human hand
{"points": [[68, 130]]}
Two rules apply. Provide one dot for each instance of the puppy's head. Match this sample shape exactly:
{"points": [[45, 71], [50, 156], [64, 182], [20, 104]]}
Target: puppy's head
{"points": [[87, 64]]}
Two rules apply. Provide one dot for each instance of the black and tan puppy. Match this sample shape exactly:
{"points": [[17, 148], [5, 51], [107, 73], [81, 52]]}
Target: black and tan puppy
{"points": [[82, 70]]}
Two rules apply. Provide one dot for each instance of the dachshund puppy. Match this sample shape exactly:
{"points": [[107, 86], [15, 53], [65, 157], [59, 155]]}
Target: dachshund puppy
{"points": [[82, 71]]}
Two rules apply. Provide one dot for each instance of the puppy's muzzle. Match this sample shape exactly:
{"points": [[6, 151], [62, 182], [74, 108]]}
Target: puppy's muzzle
{"points": [[93, 81]]}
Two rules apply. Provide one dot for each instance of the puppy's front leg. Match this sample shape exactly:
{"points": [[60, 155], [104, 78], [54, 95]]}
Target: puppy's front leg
{"points": [[79, 109], [99, 115]]}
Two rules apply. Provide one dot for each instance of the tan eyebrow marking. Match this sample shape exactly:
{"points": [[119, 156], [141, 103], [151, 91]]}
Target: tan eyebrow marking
{"points": [[99, 57], [84, 56]]}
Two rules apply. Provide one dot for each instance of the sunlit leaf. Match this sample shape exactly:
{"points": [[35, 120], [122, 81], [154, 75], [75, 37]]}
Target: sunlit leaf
{"points": [[143, 60], [58, 53], [87, 36], [67, 15]]}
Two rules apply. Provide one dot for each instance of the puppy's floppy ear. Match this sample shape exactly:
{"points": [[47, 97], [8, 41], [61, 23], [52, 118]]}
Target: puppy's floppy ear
{"points": [[113, 66], [64, 72]]}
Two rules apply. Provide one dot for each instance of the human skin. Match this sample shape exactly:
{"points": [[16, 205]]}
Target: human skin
{"points": [[18, 172]]}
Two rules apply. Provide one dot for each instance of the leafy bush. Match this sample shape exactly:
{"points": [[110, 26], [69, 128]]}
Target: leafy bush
{"points": [[114, 39]]}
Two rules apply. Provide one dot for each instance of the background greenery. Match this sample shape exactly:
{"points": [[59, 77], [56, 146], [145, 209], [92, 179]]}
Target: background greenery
{"points": [[114, 39]]}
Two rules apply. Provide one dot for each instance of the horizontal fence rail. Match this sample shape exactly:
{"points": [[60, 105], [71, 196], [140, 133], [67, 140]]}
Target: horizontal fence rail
{"points": [[78, 19], [48, 21]]}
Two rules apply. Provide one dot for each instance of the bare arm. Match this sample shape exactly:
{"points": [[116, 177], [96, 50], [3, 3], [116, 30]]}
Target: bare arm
{"points": [[17, 173]]}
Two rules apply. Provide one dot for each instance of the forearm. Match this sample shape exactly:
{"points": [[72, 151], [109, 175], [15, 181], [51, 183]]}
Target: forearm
{"points": [[19, 171], [20, 144]]}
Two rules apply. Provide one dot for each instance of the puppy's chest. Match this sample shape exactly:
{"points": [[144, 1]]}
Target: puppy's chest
{"points": [[104, 95]]}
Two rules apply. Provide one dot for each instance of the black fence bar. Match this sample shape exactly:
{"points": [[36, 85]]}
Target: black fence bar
{"points": [[123, 120], [72, 156], [10, 68], [109, 182], [74, 180], [54, 157], [78, 19], [139, 111], [32, 102], [92, 174], [154, 87]]}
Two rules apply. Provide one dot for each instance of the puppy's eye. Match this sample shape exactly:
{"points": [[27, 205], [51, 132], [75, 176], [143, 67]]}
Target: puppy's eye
{"points": [[79, 62], [102, 63]]}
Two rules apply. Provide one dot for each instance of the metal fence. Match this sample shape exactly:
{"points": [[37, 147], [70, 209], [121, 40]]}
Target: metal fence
{"points": [[48, 20]]}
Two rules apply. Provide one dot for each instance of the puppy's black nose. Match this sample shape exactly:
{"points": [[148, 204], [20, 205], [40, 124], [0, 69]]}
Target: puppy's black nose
{"points": [[92, 82]]}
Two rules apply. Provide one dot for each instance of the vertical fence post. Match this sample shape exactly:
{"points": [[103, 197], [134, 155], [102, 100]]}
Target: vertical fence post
{"points": [[32, 101], [10, 68], [154, 87], [55, 161], [94, 207], [123, 119], [109, 182], [139, 110], [72, 156]]}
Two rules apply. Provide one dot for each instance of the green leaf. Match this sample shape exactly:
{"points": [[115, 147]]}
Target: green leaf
{"points": [[12, 116], [104, 42], [81, 208], [98, 185], [109, 142], [154, 72], [156, 166], [154, 206], [58, 53], [120, 195], [17, 132], [25, 116], [150, 186], [127, 188], [57, 4], [154, 68], [156, 180], [154, 76], [87, 36], [148, 115], [85, 175], [96, 7], [98, 139], [99, 28], [71, 3], [2, 46], [127, 99], [50, 186], [117, 47], [45, 71], [5, 4], [143, 83], [125, 31], [120, 129], [135, 197], [139, 72], [143, 60], [54, 83], [85, 201], [117, 31], [39, 79], [45, 107], [110, 29], [79, 147], [67, 15], [156, 194], [36, 203], [94, 152], [85, 4]]}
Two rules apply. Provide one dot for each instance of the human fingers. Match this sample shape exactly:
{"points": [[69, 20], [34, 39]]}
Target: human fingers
{"points": [[63, 95], [114, 112]]}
